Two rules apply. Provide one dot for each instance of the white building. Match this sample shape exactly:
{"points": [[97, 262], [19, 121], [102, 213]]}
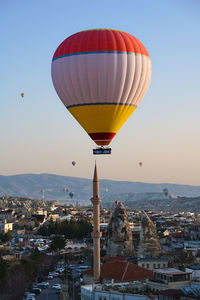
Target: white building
{"points": [[123, 291], [5, 227]]}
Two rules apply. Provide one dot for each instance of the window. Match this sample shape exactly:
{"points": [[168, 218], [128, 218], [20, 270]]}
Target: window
{"points": [[154, 266], [147, 266], [163, 265], [158, 265], [143, 265]]}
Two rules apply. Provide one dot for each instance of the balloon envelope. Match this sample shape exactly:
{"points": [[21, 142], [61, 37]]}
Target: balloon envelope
{"points": [[165, 191], [22, 95], [71, 194], [101, 76], [73, 163]]}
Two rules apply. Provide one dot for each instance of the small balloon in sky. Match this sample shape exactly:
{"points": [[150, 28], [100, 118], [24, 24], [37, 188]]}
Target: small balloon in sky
{"points": [[71, 194], [140, 164], [73, 163], [22, 95], [116, 202], [165, 191], [65, 190], [106, 190]]}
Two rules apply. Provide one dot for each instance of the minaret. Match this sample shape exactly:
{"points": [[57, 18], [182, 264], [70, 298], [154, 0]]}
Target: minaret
{"points": [[96, 234]]}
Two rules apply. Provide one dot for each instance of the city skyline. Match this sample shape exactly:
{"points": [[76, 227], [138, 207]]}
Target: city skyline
{"points": [[38, 135]]}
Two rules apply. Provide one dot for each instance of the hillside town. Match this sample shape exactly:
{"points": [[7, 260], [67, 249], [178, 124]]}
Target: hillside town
{"points": [[144, 255]]}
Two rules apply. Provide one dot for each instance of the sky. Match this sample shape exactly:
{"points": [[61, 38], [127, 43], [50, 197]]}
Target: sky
{"points": [[38, 135]]}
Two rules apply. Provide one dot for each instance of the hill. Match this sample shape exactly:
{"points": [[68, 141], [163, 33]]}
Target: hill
{"points": [[31, 185], [154, 201]]}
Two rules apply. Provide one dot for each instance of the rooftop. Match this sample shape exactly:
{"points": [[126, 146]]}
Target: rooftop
{"points": [[171, 271], [122, 271], [134, 287], [154, 259]]}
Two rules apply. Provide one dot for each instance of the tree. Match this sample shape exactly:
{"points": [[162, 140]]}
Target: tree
{"points": [[5, 237], [57, 243], [3, 268]]}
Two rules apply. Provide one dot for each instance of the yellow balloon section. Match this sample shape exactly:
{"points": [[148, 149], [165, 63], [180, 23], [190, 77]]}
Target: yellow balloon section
{"points": [[101, 76], [102, 119]]}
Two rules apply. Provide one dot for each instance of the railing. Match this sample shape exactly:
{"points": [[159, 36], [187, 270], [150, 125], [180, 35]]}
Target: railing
{"points": [[158, 280]]}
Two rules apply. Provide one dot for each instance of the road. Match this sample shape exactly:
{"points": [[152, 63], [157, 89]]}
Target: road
{"points": [[49, 293]]}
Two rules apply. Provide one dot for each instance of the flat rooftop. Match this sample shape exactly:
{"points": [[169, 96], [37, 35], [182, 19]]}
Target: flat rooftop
{"points": [[134, 287], [170, 271]]}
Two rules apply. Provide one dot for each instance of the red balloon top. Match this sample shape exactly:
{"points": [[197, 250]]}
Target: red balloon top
{"points": [[100, 40]]}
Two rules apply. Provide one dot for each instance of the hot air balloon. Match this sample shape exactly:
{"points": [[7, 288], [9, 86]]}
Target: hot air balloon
{"points": [[71, 194], [165, 191], [116, 202], [101, 76], [106, 190], [140, 164], [65, 190], [73, 163], [22, 95], [42, 193]]}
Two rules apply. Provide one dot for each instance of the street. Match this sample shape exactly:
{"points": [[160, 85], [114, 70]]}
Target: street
{"points": [[49, 293]]}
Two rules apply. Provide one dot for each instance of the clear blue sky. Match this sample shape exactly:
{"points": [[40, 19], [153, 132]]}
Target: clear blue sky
{"points": [[38, 135]]}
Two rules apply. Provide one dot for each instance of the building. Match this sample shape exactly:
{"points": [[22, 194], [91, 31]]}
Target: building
{"points": [[5, 227], [152, 263], [195, 270], [7, 214], [192, 232], [127, 291], [168, 278], [118, 270], [189, 292]]}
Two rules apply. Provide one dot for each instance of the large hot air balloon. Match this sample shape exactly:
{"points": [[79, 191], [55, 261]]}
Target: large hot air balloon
{"points": [[101, 76]]}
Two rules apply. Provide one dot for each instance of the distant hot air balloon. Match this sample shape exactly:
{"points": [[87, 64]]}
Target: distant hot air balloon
{"points": [[71, 194], [42, 193], [106, 190], [101, 76], [73, 163], [22, 95], [116, 202], [140, 164], [165, 191], [65, 190]]}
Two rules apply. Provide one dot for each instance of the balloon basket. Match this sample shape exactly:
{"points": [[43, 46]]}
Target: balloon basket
{"points": [[99, 151]]}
